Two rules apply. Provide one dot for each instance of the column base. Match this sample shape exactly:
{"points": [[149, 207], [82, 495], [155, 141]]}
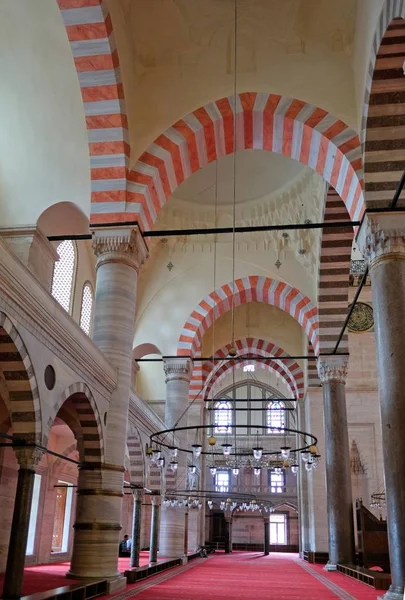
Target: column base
{"points": [[330, 567], [394, 593]]}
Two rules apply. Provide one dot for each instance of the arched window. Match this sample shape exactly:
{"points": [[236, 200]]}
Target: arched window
{"points": [[86, 310], [223, 416], [275, 417], [62, 281]]}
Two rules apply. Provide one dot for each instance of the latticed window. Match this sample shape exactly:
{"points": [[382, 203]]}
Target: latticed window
{"points": [[276, 481], [222, 481], [275, 417], [223, 417], [87, 308], [62, 281]]}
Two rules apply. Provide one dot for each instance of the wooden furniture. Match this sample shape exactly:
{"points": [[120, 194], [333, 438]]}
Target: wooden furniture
{"points": [[372, 539], [320, 558], [78, 591], [375, 579]]}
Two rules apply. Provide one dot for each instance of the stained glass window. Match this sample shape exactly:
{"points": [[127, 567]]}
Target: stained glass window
{"points": [[62, 281], [87, 308]]}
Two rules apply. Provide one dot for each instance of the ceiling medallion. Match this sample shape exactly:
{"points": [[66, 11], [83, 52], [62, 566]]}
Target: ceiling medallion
{"points": [[361, 319], [278, 263]]}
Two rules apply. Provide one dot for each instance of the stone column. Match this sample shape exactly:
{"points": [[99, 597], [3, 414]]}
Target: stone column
{"points": [[228, 535], [382, 241], [28, 459], [186, 514], [120, 253], [332, 373], [154, 530], [178, 374], [266, 521], [136, 527]]}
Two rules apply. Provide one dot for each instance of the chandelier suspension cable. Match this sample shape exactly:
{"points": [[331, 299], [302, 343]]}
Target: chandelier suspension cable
{"points": [[234, 171]]}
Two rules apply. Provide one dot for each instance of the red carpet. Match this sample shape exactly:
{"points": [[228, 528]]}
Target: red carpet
{"points": [[40, 578], [249, 576]]}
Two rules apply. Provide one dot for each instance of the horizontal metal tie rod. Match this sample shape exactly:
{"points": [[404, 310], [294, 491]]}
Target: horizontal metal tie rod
{"points": [[236, 358], [256, 409], [213, 230]]}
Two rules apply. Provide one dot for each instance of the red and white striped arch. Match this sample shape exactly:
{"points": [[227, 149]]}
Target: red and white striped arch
{"points": [[248, 289], [287, 126], [90, 32], [268, 365], [257, 347]]}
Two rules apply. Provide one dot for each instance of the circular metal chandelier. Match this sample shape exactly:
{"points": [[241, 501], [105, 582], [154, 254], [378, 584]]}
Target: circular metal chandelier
{"points": [[246, 452]]}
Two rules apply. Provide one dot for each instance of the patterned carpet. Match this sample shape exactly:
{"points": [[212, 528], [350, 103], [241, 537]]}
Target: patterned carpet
{"points": [[249, 576]]}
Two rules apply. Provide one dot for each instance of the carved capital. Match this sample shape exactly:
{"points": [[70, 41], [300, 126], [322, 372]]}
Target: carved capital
{"points": [[138, 494], [178, 369], [28, 458], [120, 244], [332, 368], [155, 500], [382, 237]]}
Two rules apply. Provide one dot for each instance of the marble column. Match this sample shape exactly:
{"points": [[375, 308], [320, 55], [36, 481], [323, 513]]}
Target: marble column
{"points": [[332, 373], [178, 374], [120, 253], [266, 521], [154, 530], [186, 515], [136, 527], [28, 459], [228, 534], [382, 242]]}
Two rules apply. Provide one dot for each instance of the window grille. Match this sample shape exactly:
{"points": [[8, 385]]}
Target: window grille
{"points": [[277, 481], [62, 281], [275, 417], [222, 481], [223, 417], [87, 308]]}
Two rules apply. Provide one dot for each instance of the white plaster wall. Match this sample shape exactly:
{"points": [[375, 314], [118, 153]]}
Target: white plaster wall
{"points": [[43, 141]]}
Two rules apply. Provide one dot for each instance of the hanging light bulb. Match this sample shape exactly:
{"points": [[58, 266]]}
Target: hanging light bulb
{"points": [[257, 452], [213, 470], [305, 455], [294, 468], [156, 454], [313, 449], [226, 448], [235, 470], [161, 462], [285, 452], [210, 504], [257, 470], [222, 505], [197, 448], [173, 465], [286, 464], [192, 469], [174, 451], [199, 506], [308, 466]]}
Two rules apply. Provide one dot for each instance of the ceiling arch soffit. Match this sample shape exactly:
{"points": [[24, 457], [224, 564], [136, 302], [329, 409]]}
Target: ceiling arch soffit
{"points": [[242, 291], [383, 118], [90, 33], [334, 273], [288, 369], [270, 122]]}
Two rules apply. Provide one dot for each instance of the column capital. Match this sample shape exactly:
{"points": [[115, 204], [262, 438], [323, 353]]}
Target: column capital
{"points": [[178, 369], [28, 458], [120, 244], [155, 500], [382, 236], [137, 494], [332, 368]]}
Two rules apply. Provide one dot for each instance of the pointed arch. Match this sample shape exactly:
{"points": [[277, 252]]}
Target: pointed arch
{"points": [[92, 442], [264, 121], [21, 383], [90, 33], [260, 347], [383, 117], [249, 289], [268, 365]]}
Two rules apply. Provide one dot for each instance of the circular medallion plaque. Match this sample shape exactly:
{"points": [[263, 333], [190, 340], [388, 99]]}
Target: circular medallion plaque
{"points": [[50, 377], [362, 318]]}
